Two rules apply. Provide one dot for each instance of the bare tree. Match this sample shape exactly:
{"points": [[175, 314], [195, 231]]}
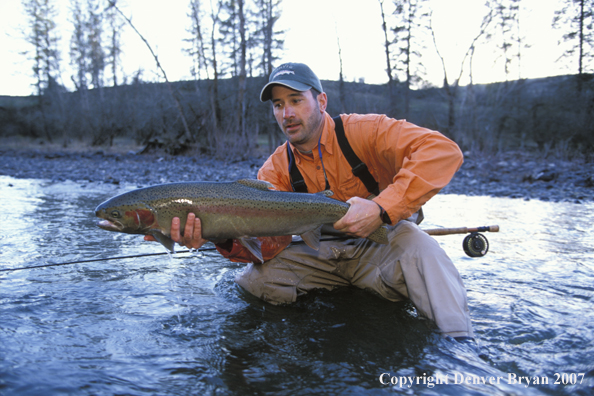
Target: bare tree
{"points": [[576, 18], [387, 48], [214, 95], [95, 43], [197, 42], [341, 90], [242, 88], [186, 133], [411, 22], [43, 37], [451, 89], [506, 18], [114, 46], [270, 39], [234, 41], [79, 57]]}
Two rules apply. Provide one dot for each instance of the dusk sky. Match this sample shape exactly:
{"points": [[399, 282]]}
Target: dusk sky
{"points": [[312, 28]]}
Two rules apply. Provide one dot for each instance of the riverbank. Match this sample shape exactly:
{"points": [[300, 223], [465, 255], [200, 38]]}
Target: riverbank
{"points": [[513, 174]]}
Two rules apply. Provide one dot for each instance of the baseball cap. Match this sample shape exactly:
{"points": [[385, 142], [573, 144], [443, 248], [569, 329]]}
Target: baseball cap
{"points": [[297, 76]]}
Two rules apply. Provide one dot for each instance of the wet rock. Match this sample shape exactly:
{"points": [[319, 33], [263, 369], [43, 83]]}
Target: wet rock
{"points": [[587, 182], [513, 175]]}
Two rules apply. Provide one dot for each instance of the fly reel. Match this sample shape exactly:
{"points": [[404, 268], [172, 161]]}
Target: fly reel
{"points": [[475, 245]]}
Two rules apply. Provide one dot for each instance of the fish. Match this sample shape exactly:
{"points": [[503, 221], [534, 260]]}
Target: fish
{"points": [[244, 209]]}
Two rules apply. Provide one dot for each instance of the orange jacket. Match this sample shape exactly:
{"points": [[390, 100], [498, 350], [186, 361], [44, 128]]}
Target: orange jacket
{"points": [[410, 163]]}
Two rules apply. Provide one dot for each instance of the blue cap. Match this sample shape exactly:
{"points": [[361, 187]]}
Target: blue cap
{"points": [[297, 76]]}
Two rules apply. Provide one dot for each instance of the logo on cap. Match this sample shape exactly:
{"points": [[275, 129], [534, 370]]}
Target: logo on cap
{"points": [[280, 72]]}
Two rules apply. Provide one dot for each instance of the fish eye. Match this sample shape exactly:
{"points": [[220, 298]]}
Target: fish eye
{"points": [[115, 214]]}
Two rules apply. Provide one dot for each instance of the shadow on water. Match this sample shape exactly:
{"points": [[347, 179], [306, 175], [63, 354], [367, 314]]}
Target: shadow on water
{"points": [[326, 342], [180, 325]]}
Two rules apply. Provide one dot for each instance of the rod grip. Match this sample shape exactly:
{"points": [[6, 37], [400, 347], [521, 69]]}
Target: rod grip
{"points": [[461, 230]]}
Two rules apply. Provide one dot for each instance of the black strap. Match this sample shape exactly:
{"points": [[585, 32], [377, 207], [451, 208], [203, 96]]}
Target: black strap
{"points": [[359, 168], [297, 181]]}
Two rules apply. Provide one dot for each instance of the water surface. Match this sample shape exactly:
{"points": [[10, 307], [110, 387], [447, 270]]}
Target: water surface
{"points": [[179, 325]]}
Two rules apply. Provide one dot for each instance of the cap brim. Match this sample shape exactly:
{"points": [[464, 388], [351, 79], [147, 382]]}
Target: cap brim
{"points": [[266, 93]]}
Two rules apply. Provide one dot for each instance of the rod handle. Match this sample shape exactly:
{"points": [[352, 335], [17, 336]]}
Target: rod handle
{"points": [[461, 230]]}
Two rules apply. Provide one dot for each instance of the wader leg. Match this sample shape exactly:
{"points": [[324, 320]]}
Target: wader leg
{"points": [[433, 282], [412, 265], [293, 272]]}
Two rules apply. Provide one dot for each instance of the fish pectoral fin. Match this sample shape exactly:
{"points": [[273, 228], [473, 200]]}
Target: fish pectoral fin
{"points": [[380, 235], [312, 238], [254, 246], [163, 240], [255, 183]]}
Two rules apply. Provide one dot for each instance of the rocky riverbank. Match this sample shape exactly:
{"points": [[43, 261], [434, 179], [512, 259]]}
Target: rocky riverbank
{"points": [[514, 174]]}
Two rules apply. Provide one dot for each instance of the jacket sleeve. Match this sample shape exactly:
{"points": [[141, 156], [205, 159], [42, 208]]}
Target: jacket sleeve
{"points": [[271, 246], [416, 162]]}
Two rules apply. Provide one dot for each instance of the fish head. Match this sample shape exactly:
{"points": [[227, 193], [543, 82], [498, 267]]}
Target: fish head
{"points": [[130, 218]]}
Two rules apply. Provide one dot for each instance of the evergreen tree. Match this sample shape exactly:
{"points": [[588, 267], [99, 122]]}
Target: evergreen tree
{"points": [[410, 25], [42, 35], [576, 19]]}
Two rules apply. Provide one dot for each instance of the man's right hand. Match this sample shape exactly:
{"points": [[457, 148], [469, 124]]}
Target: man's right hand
{"points": [[192, 237]]}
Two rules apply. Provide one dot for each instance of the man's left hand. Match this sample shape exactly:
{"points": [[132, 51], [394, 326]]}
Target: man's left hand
{"points": [[362, 218]]}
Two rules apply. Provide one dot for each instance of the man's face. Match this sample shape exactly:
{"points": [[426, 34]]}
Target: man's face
{"points": [[300, 115]]}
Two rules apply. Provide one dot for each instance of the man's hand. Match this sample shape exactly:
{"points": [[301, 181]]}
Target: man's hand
{"points": [[362, 218], [192, 232]]}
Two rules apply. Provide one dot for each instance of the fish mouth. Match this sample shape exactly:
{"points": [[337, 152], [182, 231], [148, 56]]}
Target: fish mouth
{"points": [[110, 225]]}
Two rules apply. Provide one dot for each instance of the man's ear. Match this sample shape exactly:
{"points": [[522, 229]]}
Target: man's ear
{"points": [[322, 101]]}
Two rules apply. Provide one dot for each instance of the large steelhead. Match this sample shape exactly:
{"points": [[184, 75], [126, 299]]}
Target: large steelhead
{"points": [[243, 210]]}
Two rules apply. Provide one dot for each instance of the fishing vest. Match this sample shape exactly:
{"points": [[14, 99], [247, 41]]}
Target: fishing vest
{"points": [[359, 168]]}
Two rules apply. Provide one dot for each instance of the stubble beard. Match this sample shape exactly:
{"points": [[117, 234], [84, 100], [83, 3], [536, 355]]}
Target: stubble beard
{"points": [[308, 130]]}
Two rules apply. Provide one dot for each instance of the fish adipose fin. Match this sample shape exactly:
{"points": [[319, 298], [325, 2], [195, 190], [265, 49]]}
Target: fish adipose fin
{"points": [[254, 246], [326, 193], [312, 238], [257, 184], [163, 240]]}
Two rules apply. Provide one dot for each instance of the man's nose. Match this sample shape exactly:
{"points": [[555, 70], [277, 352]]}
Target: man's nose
{"points": [[288, 112]]}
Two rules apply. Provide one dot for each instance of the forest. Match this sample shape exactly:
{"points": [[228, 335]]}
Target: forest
{"points": [[234, 45]]}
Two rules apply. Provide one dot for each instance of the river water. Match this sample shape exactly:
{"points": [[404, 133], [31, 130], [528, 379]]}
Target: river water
{"points": [[163, 325]]}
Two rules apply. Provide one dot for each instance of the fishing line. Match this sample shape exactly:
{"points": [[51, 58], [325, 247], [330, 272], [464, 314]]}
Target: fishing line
{"points": [[138, 255]]}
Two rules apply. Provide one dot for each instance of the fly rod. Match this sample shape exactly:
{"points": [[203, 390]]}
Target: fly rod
{"points": [[476, 245]]}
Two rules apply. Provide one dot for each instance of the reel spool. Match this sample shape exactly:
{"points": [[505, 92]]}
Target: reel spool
{"points": [[475, 245]]}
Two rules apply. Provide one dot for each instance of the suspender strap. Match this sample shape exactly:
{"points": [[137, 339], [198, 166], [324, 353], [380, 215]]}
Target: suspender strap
{"points": [[297, 181], [359, 168]]}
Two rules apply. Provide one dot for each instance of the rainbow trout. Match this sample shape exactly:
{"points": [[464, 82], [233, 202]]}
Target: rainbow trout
{"points": [[244, 209]]}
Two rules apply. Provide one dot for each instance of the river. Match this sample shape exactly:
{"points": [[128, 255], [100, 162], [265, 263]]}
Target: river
{"points": [[161, 325]]}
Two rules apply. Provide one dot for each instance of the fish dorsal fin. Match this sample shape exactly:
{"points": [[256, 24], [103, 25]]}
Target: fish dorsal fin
{"points": [[312, 238], [380, 235], [163, 239], [258, 184], [254, 246], [326, 193]]}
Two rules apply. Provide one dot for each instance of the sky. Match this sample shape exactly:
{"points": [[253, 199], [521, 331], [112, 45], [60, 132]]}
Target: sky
{"points": [[312, 30]]}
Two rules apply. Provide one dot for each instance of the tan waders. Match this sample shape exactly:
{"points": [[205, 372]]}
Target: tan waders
{"points": [[412, 265]]}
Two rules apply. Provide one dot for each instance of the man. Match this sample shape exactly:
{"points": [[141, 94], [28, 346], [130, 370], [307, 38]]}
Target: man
{"points": [[410, 164]]}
